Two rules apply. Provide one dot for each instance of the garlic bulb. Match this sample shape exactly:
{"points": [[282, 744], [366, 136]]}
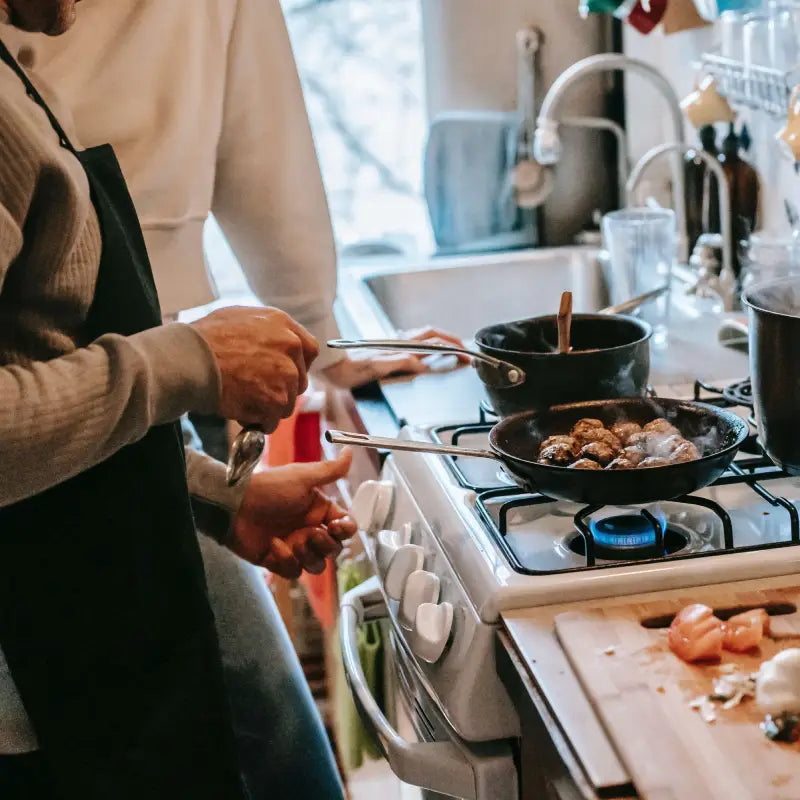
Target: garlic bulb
{"points": [[778, 683]]}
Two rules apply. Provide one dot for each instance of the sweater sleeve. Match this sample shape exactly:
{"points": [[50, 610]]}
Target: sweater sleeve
{"points": [[268, 194], [61, 417]]}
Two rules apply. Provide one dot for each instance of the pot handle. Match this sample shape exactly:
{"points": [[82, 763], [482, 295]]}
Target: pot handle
{"points": [[500, 375], [363, 440]]}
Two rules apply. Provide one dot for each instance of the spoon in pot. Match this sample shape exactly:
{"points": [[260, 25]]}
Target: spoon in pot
{"points": [[564, 322]]}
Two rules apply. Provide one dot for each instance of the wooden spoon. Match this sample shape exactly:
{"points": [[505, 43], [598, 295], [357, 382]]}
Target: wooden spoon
{"points": [[564, 322]]}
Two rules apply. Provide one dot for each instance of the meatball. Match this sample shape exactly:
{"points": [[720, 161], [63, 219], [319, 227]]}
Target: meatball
{"points": [[660, 425], [624, 430], [600, 435], [641, 440], [633, 454], [585, 463], [667, 445], [585, 424], [653, 461], [561, 439], [556, 455], [685, 452], [600, 452], [621, 463]]}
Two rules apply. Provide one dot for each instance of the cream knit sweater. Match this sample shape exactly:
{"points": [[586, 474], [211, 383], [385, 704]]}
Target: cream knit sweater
{"points": [[202, 102]]}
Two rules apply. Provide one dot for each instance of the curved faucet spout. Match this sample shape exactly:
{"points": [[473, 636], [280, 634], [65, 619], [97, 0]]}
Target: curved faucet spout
{"points": [[547, 142]]}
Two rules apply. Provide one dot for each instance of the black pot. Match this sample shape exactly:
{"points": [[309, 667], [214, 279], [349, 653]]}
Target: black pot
{"points": [[774, 331], [610, 358]]}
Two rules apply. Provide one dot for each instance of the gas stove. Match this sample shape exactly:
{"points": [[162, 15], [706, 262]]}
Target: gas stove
{"points": [[455, 542]]}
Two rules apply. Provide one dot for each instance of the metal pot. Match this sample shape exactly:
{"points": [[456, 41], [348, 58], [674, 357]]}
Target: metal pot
{"points": [[610, 358], [774, 332]]}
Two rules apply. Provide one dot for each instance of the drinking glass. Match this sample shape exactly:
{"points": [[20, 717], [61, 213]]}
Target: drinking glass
{"points": [[731, 34], [782, 37], [767, 259], [640, 243], [757, 40]]}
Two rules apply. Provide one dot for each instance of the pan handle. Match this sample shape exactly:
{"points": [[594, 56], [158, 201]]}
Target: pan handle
{"points": [[363, 440], [501, 374]]}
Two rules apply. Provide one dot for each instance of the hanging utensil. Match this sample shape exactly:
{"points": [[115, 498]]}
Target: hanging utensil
{"points": [[246, 452], [564, 322]]}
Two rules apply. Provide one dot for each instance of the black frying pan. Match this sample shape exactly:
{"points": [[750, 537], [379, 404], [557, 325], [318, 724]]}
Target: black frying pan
{"points": [[515, 443]]}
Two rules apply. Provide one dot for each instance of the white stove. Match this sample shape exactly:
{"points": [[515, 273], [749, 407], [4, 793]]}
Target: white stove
{"points": [[454, 542]]}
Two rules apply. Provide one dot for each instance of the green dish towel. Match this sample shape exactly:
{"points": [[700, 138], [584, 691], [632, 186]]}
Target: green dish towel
{"points": [[353, 741]]}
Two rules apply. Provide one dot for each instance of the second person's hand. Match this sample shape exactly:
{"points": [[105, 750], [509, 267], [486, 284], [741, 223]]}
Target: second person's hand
{"points": [[263, 356]]}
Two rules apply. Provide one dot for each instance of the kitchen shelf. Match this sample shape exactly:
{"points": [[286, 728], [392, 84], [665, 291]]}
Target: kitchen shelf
{"points": [[760, 88]]}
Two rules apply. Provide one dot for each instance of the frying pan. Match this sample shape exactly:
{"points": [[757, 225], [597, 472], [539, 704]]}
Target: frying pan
{"points": [[522, 370], [515, 442]]}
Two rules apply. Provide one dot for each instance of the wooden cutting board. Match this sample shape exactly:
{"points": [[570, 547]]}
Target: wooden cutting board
{"points": [[641, 692]]}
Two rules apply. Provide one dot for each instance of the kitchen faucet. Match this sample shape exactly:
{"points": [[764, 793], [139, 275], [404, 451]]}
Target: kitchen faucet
{"points": [[723, 284], [547, 142]]}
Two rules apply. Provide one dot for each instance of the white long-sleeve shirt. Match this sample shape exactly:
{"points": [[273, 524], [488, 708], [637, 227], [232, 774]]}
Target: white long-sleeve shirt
{"points": [[202, 103]]}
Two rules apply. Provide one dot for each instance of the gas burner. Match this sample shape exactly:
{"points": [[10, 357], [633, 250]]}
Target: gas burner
{"points": [[739, 393], [631, 537]]}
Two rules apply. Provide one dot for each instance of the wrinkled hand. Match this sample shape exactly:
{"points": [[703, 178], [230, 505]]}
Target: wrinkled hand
{"points": [[350, 373], [287, 524], [263, 357]]}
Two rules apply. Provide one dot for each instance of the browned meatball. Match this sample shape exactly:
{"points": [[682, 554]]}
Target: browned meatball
{"points": [[621, 463], [556, 455], [585, 424], [600, 435], [561, 439], [585, 463], [600, 452], [665, 446], [624, 430], [633, 454], [653, 461], [685, 452], [660, 425]]}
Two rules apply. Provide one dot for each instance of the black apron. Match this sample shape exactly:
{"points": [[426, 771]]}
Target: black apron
{"points": [[104, 617]]}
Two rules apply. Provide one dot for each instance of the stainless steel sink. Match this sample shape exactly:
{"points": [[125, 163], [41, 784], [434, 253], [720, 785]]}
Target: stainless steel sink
{"points": [[462, 295]]}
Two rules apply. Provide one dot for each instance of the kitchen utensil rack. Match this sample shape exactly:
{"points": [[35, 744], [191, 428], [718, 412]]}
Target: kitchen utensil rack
{"points": [[759, 88]]}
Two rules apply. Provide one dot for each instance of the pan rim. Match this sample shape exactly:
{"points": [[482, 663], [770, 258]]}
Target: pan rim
{"points": [[740, 427], [645, 328]]}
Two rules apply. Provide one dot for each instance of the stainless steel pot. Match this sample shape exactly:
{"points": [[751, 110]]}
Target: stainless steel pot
{"points": [[774, 332]]}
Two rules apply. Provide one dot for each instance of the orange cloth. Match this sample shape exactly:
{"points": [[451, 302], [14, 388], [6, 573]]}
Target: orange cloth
{"points": [[298, 439]]}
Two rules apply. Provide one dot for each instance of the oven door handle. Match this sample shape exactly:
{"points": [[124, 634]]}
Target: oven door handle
{"points": [[437, 766]]}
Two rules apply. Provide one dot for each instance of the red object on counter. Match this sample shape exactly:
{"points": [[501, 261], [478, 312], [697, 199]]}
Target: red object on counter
{"points": [[645, 21], [298, 438]]}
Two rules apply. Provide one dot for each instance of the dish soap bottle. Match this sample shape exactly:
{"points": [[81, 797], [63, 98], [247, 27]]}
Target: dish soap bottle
{"points": [[702, 204], [744, 187]]}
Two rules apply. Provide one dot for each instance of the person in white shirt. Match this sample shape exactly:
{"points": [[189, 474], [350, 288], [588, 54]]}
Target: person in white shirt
{"points": [[202, 102]]}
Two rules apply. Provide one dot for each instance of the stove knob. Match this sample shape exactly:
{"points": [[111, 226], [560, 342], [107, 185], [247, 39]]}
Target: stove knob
{"points": [[421, 587], [389, 542], [433, 625], [372, 505], [408, 558]]}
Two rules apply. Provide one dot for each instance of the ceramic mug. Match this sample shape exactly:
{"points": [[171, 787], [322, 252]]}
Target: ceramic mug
{"points": [[705, 105], [788, 137]]}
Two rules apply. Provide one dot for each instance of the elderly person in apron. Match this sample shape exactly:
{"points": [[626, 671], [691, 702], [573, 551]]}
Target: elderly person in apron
{"points": [[113, 686]]}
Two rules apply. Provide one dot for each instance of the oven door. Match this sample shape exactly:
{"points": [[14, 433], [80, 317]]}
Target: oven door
{"points": [[436, 758]]}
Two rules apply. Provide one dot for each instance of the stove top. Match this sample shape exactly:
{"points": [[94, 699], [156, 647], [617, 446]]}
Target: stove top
{"points": [[541, 536]]}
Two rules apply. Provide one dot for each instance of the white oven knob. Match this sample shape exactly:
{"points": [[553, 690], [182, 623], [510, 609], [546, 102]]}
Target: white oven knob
{"points": [[421, 587], [408, 558], [372, 505], [389, 542], [433, 625]]}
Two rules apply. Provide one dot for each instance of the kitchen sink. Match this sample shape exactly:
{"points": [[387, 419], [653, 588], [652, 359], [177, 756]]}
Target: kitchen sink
{"points": [[462, 295]]}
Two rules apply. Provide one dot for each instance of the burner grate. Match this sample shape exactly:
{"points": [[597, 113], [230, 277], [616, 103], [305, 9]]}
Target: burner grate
{"points": [[751, 472]]}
